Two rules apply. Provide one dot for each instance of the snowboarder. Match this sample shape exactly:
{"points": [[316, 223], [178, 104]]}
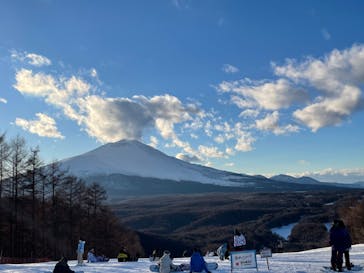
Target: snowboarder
{"points": [[165, 263], [197, 263], [339, 241], [239, 240], [92, 258], [348, 264], [62, 266], [80, 251]]}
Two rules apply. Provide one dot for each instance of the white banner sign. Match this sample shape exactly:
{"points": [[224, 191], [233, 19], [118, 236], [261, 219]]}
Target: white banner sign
{"points": [[243, 259], [266, 253]]}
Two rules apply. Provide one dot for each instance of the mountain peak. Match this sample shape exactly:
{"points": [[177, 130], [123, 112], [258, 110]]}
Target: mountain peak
{"points": [[133, 158]]}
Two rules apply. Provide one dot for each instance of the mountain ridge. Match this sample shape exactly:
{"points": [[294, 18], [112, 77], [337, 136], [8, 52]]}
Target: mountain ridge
{"points": [[129, 167]]}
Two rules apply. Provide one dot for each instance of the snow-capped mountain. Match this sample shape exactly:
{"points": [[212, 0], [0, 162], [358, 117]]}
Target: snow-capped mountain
{"points": [[131, 168], [133, 158]]}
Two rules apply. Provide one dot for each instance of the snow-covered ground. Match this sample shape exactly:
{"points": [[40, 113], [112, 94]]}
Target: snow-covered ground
{"points": [[311, 261]]}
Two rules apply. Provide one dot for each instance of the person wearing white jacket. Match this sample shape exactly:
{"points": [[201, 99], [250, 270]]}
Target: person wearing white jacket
{"points": [[165, 263]]}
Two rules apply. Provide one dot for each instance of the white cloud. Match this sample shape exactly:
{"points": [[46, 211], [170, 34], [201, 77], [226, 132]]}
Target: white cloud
{"points": [[93, 73], [153, 142], [210, 151], [338, 77], [2, 100], [62, 93], [44, 126], [229, 151], [31, 58], [37, 60], [112, 119], [107, 119], [230, 69], [219, 139], [262, 94], [249, 113], [38, 84], [318, 92], [244, 139], [271, 123], [330, 110], [337, 175]]}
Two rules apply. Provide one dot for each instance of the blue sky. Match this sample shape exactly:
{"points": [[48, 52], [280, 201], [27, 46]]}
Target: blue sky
{"points": [[257, 87]]}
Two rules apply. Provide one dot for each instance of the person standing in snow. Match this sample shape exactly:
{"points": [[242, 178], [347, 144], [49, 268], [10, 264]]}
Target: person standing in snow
{"points": [[348, 264], [239, 240], [80, 251], [165, 263], [197, 263], [340, 241]]}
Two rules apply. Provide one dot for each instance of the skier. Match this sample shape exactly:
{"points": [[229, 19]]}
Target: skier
{"points": [[197, 263], [62, 266], [239, 240], [80, 251]]}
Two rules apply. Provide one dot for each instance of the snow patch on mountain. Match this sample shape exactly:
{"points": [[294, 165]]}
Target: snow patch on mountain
{"points": [[133, 158]]}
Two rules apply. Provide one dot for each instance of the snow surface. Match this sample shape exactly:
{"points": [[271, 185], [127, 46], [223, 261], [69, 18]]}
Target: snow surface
{"points": [[311, 261]]}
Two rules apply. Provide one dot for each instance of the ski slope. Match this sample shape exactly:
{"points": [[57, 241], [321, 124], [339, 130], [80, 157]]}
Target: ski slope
{"points": [[311, 261]]}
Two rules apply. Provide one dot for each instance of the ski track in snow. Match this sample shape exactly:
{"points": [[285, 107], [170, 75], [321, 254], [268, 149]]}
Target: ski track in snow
{"points": [[311, 261]]}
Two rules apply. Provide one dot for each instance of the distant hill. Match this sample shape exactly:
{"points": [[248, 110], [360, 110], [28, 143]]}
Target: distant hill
{"points": [[131, 168], [291, 179]]}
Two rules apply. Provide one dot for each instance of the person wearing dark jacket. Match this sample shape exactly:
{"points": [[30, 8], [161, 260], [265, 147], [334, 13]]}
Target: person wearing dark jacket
{"points": [[123, 255], [348, 264], [197, 263], [62, 267], [339, 241]]}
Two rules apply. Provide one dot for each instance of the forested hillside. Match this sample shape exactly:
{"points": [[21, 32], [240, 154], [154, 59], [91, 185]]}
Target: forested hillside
{"points": [[44, 211], [182, 222]]}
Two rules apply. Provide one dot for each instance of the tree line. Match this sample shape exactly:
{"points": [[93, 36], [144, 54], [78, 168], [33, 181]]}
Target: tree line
{"points": [[44, 210]]}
